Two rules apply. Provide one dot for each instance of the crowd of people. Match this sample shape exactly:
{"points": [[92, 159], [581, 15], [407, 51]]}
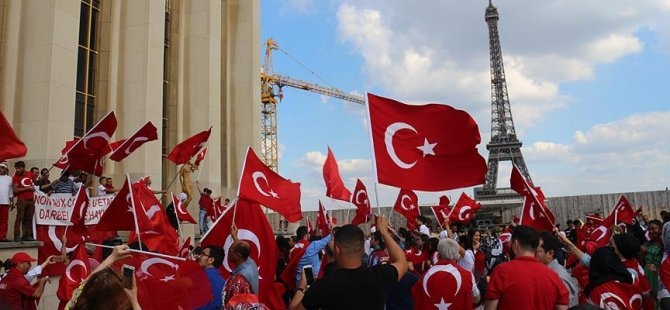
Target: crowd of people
{"points": [[456, 267]]}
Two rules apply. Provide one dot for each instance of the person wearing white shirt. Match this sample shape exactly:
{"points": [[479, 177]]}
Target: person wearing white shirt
{"points": [[423, 229], [6, 200]]}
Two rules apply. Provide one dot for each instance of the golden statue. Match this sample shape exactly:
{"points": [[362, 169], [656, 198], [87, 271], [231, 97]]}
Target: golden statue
{"points": [[185, 180]]}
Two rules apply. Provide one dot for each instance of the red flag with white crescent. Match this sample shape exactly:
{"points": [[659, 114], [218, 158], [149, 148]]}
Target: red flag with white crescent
{"points": [[161, 237], [407, 205], [535, 212], [185, 248], [444, 285], [186, 149], [182, 213], [464, 209], [441, 211], [119, 213], [51, 237], [323, 220], [86, 153], [76, 271], [308, 223], [201, 156], [254, 228], [78, 218], [430, 147], [260, 184], [362, 202], [146, 133], [622, 213]]}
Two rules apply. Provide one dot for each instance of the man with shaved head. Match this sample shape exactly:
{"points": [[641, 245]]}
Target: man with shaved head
{"points": [[352, 286], [238, 255], [446, 283]]}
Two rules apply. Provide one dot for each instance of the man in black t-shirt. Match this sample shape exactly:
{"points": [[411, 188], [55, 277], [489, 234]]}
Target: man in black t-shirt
{"points": [[352, 286]]}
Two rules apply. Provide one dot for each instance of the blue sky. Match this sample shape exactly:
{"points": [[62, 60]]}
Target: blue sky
{"points": [[586, 85]]}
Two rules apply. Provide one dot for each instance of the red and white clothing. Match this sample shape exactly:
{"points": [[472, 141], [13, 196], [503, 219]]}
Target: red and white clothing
{"points": [[526, 283], [416, 257], [614, 295], [6, 194], [16, 292], [445, 285], [639, 279], [24, 180]]}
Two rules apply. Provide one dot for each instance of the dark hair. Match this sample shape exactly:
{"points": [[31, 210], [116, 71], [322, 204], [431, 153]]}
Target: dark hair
{"points": [[301, 232], [138, 246], [527, 237], [380, 240], [207, 191], [102, 179], [350, 238], [242, 248], [44, 170], [656, 222], [217, 254], [19, 164], [466, 241], [34, 168], [549, 242], [627, 245], [103, 290], [64, 175], [606, 266]]}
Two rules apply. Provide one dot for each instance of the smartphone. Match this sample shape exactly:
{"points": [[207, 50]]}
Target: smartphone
{"points": [[57, 259], [309, 274], [128, 274]]}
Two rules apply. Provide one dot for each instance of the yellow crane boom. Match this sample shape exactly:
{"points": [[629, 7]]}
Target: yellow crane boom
{"points": [[271, 82]]}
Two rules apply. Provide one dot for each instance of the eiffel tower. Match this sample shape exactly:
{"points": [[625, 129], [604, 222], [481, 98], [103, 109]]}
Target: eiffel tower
{"points": [[504, 144]]}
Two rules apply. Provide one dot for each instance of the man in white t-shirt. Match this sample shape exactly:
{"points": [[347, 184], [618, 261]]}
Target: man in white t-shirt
{"points": [[423, 229], [6, 199]]}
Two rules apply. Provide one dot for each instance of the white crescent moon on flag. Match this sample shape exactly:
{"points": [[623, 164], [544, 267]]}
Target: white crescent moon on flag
{"points": [[602, 230], [388, 141], [445, 268], [130, 145], [26, 182], [463, 210], [402, 203], [150, 213], [632, 300], [56, 242], [156, 260], [73, 263], [358, 195], [532, 211], [259, 175], [242, 234], [64, 160], [180, 208], [606, 304], [100, 134]]}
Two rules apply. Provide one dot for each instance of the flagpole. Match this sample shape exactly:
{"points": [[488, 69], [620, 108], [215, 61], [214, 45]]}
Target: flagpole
{"points": [[138, 251], [72, 213], [234, 211], [132, 203], [379, 209]]}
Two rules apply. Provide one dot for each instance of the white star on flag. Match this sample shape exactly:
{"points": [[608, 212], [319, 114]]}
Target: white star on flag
{"points": [[442, 305], [427, 148], [273, 194]]}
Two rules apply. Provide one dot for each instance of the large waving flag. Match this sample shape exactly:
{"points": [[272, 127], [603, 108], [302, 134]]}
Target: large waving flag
{"points": [[407, 205], [331, 176], [86, 153], [161, 237], [182, 213], [464, 209], [535, 212], [622, 213], [146, 133], [76, 271], [10, 144], [429, 147], [362, 202], [254, 228], [260, 184], [183, 151], [120, 214]]}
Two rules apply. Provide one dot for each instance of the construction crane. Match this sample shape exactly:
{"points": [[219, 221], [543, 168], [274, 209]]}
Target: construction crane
{"points": [[271, 89]]}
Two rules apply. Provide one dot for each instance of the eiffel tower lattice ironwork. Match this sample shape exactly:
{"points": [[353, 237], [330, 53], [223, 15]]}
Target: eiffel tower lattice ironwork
{"points": [[504, 144]]}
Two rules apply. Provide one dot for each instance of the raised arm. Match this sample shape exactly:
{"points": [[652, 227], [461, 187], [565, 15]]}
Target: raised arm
{"points": [[395, 252]]}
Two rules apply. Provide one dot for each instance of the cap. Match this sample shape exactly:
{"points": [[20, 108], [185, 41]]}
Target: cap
{"points": [[22, 257], [4, 164]]}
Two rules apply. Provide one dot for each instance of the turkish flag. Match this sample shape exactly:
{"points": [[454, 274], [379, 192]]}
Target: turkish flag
{"points": [[429, 147], [201, 156], [76, 271], [78, 218], [362, 203], [51, 236], [253, 227], [601, 235], [444, 284], [323, 220], [169, 283], [146, 133], [331, 176], [185, 248], [595, 218], [533, 206], [407, 205], [161, 237], [182, 213], [295, 255], [260, 184], [183, 151], [441, 211], [10, 144], [622, 213], [86, 153], [119, 213], [308, 223], [464, 209]]}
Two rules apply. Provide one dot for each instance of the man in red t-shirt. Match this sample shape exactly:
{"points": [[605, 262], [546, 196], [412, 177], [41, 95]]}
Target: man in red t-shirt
{"points": [[206, 205], [24, 189], [16, 293], [525, 282]]}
